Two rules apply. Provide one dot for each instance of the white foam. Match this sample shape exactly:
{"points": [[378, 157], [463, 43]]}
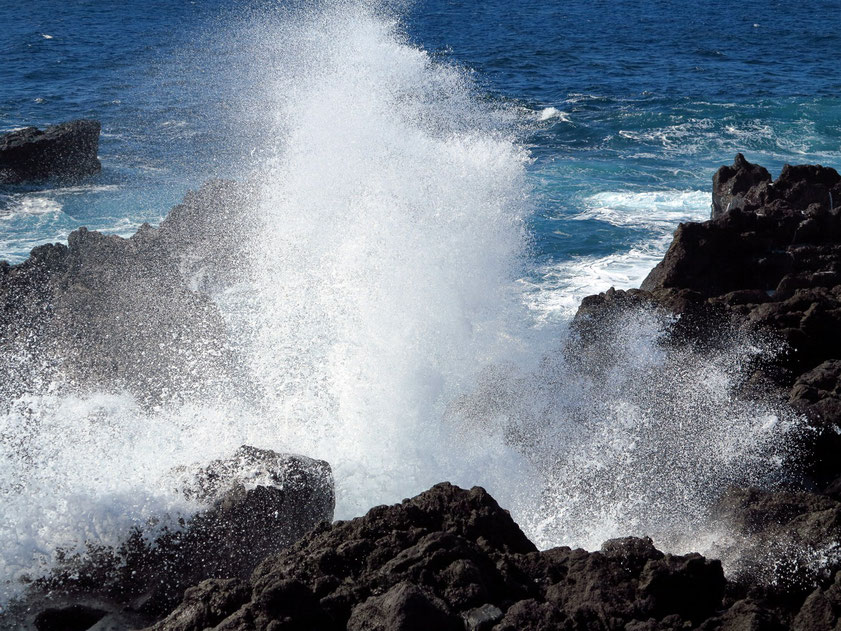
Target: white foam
{"points": [[555, 291], [552, 112], [101, 465], [657, 209], [17, 205], [559, 288]]}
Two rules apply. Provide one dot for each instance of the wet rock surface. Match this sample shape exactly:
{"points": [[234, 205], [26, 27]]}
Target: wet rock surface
{"points": [[134, 314], [766, 265], [770, 266], [258, 503], [454, 559], [66, 151]]}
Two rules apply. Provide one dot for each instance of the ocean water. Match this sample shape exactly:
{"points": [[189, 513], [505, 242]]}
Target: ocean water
{"points": [[444, 181]]}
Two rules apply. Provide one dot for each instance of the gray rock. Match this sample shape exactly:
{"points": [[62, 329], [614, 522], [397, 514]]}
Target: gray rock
{"points": [[482, 618]]}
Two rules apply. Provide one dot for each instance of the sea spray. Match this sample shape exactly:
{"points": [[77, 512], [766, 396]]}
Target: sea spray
{"points": [[383, 327], [394, 228]]}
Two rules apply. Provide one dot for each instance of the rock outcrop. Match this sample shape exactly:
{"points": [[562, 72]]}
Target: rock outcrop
{"points": [[767, 264], [453, 559], [65, 151], [730, 184], [130, 314], [257, 503], [771, 265]]}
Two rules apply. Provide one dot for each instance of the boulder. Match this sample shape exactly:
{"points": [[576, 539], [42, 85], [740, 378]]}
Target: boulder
{"points": [[257, 503], [65, 151], [404, 607], [757, 242]]}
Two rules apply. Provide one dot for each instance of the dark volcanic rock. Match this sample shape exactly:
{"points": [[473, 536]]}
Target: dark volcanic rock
{"points": [[822, 609], [778, 228], [72, 618], [451, 559], [258, 502], [817, 393], [207, 604], [64, 151], [787, 540], [404, 607], [730, 184], [770, 266]]}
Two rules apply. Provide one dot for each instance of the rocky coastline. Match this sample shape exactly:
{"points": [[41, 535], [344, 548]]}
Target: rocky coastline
{"points": [[263, 553]]}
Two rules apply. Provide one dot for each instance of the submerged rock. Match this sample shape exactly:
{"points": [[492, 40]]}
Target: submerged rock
{"points": [[65, 151]]}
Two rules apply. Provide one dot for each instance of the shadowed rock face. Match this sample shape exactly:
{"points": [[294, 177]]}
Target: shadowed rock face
{"points": [[777, 229], [65, 151], [730, 184], [130, 314]]}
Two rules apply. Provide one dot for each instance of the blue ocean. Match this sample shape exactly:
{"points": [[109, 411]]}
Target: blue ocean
{"points": [[627, 109], [442, 182]]}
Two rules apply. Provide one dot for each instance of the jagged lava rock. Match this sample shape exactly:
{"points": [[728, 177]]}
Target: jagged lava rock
{"points": [[65, 151], [731, 183], [771, 265], [258, 502], [452, 559]]}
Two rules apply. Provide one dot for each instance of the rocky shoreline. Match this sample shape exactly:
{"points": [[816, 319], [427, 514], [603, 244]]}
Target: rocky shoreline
{"points": [[767, 263]]}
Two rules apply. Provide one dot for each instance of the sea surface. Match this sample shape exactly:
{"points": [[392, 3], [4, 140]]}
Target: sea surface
{"points": [[442, 182], [628, 108]]}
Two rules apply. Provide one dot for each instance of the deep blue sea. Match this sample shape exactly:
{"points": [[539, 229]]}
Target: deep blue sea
{"points": [[635, 104], [441, 182]]}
